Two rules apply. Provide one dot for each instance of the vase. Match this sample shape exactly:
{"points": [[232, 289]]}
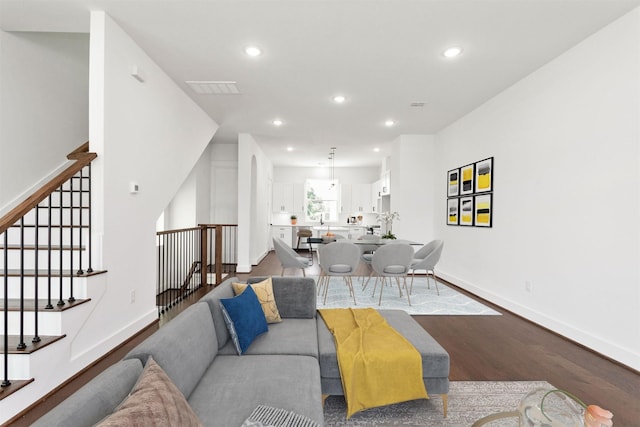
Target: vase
{"points": [[559, 410]]}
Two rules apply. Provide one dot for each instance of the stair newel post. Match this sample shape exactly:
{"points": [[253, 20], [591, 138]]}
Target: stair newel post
{"points": [[61, 205], [159, 273], [21, 344], [89, 248], [204, 267], [49, 306], [36, 337], [218, 254], [80, 210], [71, 247], [5, 380]]}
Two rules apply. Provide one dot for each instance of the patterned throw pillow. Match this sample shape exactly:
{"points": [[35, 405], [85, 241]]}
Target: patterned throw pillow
{"points": [[264, 291], [154, 401], [244, 318]]}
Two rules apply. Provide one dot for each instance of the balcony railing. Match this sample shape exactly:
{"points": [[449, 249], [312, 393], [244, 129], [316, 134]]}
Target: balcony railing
{"points": [[190, 259]]}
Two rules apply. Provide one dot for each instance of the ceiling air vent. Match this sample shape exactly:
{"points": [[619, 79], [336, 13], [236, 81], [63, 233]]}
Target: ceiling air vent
{"points": [[214, 87], [417, 104]]}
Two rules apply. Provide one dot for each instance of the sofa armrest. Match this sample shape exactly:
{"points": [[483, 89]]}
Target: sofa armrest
{"points": [[95, 400], [295, 296]]}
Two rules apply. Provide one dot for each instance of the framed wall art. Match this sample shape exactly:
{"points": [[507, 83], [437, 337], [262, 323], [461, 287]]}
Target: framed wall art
{"points": [[453, 179], [484, 175], [483, 210], [466, 210], [452, 211], [466, 176]]}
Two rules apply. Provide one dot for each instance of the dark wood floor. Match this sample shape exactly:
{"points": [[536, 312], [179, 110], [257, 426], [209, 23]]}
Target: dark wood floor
{"points": [[482, 348]]}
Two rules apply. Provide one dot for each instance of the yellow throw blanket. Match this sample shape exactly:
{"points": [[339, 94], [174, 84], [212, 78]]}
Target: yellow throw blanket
{"points": [[378, 366]]}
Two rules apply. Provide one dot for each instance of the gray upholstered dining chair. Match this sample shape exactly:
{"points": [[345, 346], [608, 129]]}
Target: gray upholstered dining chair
{"points": [[366, 253], [339, 258], [288, 257], [393, 260], [426, 259]]}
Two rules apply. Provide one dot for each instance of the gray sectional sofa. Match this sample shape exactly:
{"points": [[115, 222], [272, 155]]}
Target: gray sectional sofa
{"points": [[290, 367], [280, 369]]}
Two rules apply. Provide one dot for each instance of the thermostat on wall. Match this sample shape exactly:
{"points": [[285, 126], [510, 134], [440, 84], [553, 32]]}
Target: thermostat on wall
{"points": [[133, 188]]}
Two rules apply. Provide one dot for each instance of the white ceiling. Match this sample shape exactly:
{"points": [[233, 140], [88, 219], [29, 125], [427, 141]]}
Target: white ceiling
{"points": [[382, 54]]}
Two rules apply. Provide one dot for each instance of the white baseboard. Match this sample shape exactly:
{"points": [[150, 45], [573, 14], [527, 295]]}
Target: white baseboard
{"points": [[607, 348]]}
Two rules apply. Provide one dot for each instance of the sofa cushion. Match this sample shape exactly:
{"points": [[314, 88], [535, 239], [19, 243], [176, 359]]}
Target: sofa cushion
{"points": [[233, 386], [295, 296], [155, 402], [223, 290], [244, 318], [291, 336], [264, 291], [184, 347], [96, 399]]}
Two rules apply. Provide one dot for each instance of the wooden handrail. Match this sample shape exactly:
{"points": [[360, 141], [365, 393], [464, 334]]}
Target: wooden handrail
{"points": [[81, 158]]}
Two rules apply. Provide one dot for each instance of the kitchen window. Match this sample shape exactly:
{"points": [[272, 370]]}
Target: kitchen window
{"points": [[321, 200]]}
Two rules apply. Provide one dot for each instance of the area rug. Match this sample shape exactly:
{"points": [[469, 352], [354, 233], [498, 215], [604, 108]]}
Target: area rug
{"points": [[424, 300], [468, 402]]}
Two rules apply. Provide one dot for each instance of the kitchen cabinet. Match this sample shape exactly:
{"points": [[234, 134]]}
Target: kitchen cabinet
{"points": [[345, 198], [361, 199], [298, 198], [385, 181], [282, 232], [282, 197], [288, 197]]}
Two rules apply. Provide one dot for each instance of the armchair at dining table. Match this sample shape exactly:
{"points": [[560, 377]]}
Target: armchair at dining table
{"points": [[339, 258], [426, 259], [393, 260], [288, 257]]}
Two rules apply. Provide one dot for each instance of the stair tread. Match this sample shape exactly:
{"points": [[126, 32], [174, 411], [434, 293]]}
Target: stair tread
{"points": [[15, 386], [14, 340], [29, 304], [45, 273]]}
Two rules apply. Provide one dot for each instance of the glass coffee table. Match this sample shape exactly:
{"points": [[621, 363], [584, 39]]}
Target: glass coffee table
{"points": [[484, 421]]}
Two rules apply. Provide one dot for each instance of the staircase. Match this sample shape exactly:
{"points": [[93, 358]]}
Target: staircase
{"points": [[45, 269]]}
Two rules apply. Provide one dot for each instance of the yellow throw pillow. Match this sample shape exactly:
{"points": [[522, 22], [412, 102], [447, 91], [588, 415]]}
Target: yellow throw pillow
{"points": [[264, 291]]}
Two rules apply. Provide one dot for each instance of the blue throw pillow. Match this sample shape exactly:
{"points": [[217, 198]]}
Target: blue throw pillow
{"points": [[244, 318]]}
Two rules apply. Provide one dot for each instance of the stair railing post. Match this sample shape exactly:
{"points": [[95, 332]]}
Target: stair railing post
{"points": [[36, 337], [218, 254], [60, 300], [90, 249], [204, 265], [49, 306], [5, 351], [71, 248], [21, 345], [80, 210]]}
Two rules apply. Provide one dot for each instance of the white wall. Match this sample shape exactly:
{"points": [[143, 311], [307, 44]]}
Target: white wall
{"points": [[44, 86], [565, 142], [412, 166], [190, 205], [255, 174], [224, 184]]}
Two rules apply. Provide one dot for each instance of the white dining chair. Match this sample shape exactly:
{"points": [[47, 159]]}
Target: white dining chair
{"points": [[393, 260]]}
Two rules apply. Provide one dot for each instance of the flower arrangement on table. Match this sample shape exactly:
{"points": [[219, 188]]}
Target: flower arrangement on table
{"points": [[387, 218], [534, 412], [594, 416]]}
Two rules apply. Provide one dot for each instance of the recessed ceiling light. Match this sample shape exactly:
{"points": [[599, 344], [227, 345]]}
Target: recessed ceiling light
{"points": [[277, 122], [389, 123], [252, 51], [452, 52], [339, 99], [377, 150], [289, 148]]}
